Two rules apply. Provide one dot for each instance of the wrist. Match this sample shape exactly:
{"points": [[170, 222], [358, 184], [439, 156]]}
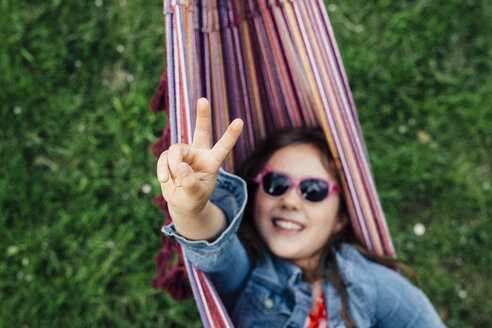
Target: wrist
{"points": [[205, 224], [178, 213]]}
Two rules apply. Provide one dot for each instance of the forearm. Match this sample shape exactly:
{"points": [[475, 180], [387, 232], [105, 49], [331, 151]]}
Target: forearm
{"points": [[224, 258]]}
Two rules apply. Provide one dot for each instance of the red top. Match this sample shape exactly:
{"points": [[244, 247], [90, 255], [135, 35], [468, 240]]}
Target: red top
{"points": [[317, 318]]}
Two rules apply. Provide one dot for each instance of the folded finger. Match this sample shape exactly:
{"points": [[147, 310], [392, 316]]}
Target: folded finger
{"points": [[162, 168], [175, 156], [188, 180], [163, 175], [168, 190]]}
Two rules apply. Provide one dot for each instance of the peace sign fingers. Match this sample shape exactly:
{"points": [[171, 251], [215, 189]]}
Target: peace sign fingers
{"points": [[201, 136], [188, 173], [203, 127]]}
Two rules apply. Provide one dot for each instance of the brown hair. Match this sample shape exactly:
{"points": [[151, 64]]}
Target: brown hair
{"points": [[250, 237]]}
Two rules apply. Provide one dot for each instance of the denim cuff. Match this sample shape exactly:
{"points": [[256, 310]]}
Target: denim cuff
{"points": [[230, 195]]}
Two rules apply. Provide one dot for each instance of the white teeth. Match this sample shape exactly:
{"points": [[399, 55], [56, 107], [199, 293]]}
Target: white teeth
{"points": [[287, 225]]}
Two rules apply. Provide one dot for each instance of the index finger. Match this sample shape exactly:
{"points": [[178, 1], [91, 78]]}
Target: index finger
{"points": [[224, 146], [201, 135]]}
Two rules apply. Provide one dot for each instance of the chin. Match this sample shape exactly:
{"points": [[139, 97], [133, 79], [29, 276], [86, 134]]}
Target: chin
{"points": [[283, 252]]}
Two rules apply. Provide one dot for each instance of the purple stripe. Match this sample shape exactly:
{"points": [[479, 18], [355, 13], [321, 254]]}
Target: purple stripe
{"points": [[171, 120]]}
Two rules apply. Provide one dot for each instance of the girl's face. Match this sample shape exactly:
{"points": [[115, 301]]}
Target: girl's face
{"points": [[293, 228]]}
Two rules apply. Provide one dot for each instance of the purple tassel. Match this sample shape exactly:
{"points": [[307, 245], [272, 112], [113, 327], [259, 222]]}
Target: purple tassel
{"points": [[160, 100], [162, 144]]}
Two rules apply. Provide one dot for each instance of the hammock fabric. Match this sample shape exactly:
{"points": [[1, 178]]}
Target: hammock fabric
{"points": [[275, 64]]}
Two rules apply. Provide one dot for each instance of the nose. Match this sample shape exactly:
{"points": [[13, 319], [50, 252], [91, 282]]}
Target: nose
{"points": [[291, 200]]}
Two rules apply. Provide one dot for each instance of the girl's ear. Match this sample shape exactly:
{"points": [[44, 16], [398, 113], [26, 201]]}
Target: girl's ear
{"points": [[341, 223]]}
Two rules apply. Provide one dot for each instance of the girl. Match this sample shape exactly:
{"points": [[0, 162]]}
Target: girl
{"points": [[294, 261]]}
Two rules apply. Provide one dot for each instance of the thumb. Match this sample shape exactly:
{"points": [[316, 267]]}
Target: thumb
{"points": [[188, 180]]}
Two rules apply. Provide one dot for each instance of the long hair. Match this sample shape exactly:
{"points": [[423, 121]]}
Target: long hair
{"points": [[250, 237]]}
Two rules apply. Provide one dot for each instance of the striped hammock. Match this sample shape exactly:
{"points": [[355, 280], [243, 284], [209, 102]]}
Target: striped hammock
{"points": [[275, 64]]}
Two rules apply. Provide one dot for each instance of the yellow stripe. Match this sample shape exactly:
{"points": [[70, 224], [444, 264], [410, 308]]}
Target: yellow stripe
{"points": [[221, 82], [304, 60], [251, 68]]}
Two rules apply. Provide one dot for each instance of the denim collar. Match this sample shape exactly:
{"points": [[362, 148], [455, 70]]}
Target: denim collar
{"points": [[276, 269], [280, 272]]}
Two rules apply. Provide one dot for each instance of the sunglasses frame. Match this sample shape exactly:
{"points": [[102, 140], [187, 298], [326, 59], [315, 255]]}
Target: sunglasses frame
{"points": [[332, 185]]}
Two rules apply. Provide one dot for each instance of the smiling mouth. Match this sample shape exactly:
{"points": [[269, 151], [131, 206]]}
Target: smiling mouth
{"points": [[287, 225]]}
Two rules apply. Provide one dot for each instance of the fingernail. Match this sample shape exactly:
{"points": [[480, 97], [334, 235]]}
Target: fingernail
{"points": [[162, 177], [183, 169]]}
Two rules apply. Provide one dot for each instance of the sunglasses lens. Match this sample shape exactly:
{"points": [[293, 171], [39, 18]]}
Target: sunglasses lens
{"points": [[275, 184], [314, 190]]}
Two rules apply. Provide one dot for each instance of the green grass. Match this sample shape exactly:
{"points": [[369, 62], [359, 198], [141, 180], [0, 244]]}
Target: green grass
{"points": [[79, 230]]}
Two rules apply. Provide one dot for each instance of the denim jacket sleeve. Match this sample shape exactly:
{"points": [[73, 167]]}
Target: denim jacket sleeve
{"points": [[224, 259], [401, 304], [390, 299]]}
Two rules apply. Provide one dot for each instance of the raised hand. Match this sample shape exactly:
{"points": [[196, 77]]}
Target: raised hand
{"points": [[188, 173]]}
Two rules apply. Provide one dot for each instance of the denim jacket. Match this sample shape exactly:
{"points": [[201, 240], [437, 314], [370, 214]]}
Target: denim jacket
{"points": [[273, 294]]}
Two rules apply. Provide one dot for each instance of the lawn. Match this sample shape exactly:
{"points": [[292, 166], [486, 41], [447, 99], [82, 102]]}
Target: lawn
{"points": [[77, 178]]}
